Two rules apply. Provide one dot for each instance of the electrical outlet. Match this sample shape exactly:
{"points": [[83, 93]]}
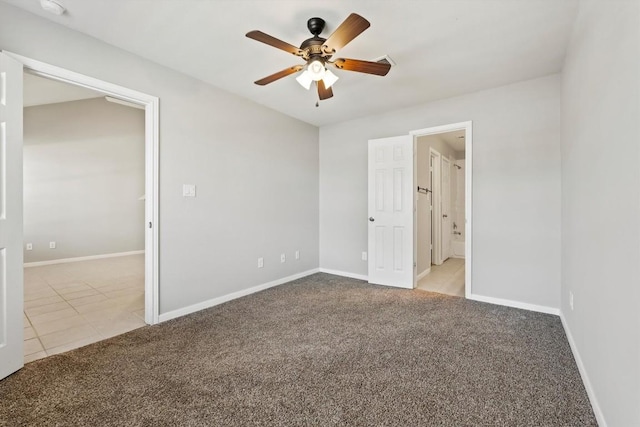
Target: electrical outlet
{"points": [[29, 246], [571, 300], [364, 256], [260, 262], [297, 254], [283, 258], [188, 190], [52, 245]]}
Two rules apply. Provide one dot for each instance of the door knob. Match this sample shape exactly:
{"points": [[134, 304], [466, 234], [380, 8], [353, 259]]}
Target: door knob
{"points": [[371, 219]]}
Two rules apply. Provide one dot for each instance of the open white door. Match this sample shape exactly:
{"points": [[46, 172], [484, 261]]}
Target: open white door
{"points": [[11, 270], [391, 211]]}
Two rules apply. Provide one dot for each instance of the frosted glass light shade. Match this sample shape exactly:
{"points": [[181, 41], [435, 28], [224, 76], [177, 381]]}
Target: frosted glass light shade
{"points": [[316, 70], [304, 79], [329, 79]]}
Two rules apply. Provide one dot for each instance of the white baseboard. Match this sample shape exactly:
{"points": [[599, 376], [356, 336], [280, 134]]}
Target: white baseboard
{"points": [[515, 304], [583, 374], [234, 295], [423, 274], [81, 258], [345, 274]]}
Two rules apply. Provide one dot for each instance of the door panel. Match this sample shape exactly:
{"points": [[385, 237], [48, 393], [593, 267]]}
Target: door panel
{"points": [[11, 259], [391, 211]]}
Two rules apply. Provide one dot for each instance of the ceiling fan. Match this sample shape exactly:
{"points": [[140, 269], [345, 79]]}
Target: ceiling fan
{"points": [[317, 53]]}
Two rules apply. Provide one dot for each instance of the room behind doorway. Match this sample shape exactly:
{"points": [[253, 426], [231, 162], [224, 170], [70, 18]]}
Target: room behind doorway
{"points": [[84, 217]]}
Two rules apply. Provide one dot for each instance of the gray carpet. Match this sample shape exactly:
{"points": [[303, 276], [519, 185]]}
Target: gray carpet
{"points": [[322, 350]]}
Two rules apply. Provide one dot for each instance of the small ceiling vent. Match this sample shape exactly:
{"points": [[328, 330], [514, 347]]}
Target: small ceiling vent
{"points": [[386, 60]]}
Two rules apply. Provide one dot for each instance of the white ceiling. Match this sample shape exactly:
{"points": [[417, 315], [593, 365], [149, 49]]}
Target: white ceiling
{"points": [[41, 91], [455, 140], [442, 48]]}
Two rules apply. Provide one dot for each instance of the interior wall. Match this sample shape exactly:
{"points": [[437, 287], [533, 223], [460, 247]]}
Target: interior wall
{"points": [[83, 177], [601, 204], [516, 184], [256, 170]]}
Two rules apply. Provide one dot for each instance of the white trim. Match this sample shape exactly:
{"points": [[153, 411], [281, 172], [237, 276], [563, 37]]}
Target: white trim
{"points": [[125, 103], [515, 304], [234, 295], [415, 214], [583, 374], [152, 178], [345, 274], [80, 258], [468, 189], [423, 274]]}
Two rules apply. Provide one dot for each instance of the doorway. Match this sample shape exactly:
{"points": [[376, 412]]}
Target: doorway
{"points": [[11, 103], [440, 212], [443, 209], [394, 193], [83, 210]]}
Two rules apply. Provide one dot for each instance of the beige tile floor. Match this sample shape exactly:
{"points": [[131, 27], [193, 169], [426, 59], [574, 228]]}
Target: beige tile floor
{"points": [[70, 305], [447, 278]]}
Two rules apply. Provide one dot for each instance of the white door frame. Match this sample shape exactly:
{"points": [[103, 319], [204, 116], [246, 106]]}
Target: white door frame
{"points": [[151, 130], [468, 188]]}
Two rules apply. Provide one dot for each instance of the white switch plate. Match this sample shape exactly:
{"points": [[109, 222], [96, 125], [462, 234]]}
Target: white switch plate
{"points": [[283, 258], [188, 190], [260, 262], [52, 245], [29, 246], [297, 254], [364, 256]]}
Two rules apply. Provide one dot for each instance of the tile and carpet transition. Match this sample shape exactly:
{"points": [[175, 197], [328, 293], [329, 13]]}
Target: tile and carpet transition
{"points": [[322, 350]]}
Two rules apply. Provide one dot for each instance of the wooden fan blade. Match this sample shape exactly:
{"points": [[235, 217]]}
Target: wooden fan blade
{"points": [[272, 41], [377, 68], [347, 31], [324, 92], [280, 74]]}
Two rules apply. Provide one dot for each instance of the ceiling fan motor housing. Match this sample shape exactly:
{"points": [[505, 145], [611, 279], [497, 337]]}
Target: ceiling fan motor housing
{"points": [[313, 47]]}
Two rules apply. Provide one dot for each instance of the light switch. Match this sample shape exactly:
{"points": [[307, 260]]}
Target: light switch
{"points": [[188, 190]]}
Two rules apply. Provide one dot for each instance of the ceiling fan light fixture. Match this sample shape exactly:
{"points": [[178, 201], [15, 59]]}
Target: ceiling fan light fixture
{"points": [[316, 70], [329, 78], [304, 79]]}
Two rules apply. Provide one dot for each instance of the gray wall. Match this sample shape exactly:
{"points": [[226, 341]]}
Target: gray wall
{"points": [[256, 169], [601, 203], [83, 176], [516, 178]]}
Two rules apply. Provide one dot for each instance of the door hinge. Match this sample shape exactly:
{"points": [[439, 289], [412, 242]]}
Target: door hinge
{"points": [[415, 264], [149, 224]]}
